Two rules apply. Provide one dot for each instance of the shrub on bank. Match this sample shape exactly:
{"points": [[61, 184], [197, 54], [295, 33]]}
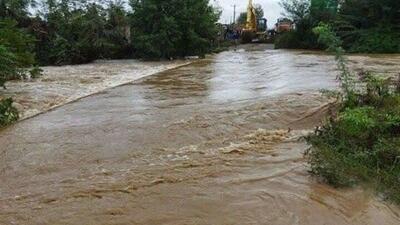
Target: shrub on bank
{"points": [[382, 40], [8, 113], [360, 143], [8, 70], [7, 66], [300, 38], [16, 62], [287, 40]]}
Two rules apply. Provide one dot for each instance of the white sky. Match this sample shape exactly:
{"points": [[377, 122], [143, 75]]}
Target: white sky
{"points": [[272, 10]]}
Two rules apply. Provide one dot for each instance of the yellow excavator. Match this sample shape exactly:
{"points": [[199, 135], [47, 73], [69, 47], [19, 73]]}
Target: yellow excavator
{"points": [[255, 29]]}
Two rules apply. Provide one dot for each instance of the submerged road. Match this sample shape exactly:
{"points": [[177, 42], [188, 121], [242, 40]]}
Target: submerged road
{"points": [[216, 142]]}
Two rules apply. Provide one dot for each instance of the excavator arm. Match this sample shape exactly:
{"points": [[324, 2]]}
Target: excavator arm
{"points": [[251, 23], [256, 28]]}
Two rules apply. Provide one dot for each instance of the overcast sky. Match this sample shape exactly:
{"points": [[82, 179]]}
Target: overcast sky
{"points": [[272, 10]]}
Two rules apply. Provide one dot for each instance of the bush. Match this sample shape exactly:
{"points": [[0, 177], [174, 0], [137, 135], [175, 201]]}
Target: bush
{"points": [[380, 40], [8, 66], [301, 38], [360, 144], [288, 40], [297, 40], [8, 114]]}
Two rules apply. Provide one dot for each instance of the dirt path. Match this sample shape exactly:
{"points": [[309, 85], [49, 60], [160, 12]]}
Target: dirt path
{"points": [[215, 142]]}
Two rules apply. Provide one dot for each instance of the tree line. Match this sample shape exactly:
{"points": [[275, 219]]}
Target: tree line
{"points": [[367, 26], [34, 33], [59, 32]]}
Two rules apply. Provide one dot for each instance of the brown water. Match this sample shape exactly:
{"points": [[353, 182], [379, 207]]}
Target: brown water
{"points": [[216, 142], [63, 84]]}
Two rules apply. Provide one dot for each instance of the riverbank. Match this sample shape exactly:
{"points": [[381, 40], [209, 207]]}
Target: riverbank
{"points": [[61, 85]]}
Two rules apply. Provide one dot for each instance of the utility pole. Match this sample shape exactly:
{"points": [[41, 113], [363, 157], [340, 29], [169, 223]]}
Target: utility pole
{"points": [[234, 14]]}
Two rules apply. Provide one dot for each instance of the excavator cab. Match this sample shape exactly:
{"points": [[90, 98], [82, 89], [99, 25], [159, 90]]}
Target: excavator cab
{"points": [[262, 25], [258, 34], [255, 29]]}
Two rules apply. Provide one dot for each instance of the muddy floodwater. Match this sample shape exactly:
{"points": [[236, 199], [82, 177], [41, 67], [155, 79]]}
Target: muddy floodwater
{"points": [[63, 84], [216, 142]]}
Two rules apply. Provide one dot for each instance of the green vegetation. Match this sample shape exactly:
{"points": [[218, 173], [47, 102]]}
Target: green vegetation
{"points": [[376, 40], [73, 31], [17, 41], [80, 34], [166, 29], [15, 53], [366, 26], [8, 114], [63, 32], [360, 143], [60, 32], [8, 68], [302, 37]]}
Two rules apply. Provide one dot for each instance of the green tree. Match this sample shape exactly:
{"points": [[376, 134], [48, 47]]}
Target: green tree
{"points": [[324, 10], [17, 41], [369, 26], [91, 37], [172, 28], [117, 32], [363, 25], [370, 13], [15, 9], [8, 69], [8, 66], [241, 20], [79, 32], [302, 37], [17, 47], [296, 10], [259, 11]]}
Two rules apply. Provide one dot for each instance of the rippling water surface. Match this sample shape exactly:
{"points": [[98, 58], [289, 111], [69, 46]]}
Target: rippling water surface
{"points": [[215, 142]]}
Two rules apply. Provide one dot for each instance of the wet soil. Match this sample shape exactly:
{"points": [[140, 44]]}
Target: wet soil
{"points": [[215, 142]]}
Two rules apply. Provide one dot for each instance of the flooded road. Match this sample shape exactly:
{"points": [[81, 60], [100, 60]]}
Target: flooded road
{"points": [[60, 85], [215, 142]]}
